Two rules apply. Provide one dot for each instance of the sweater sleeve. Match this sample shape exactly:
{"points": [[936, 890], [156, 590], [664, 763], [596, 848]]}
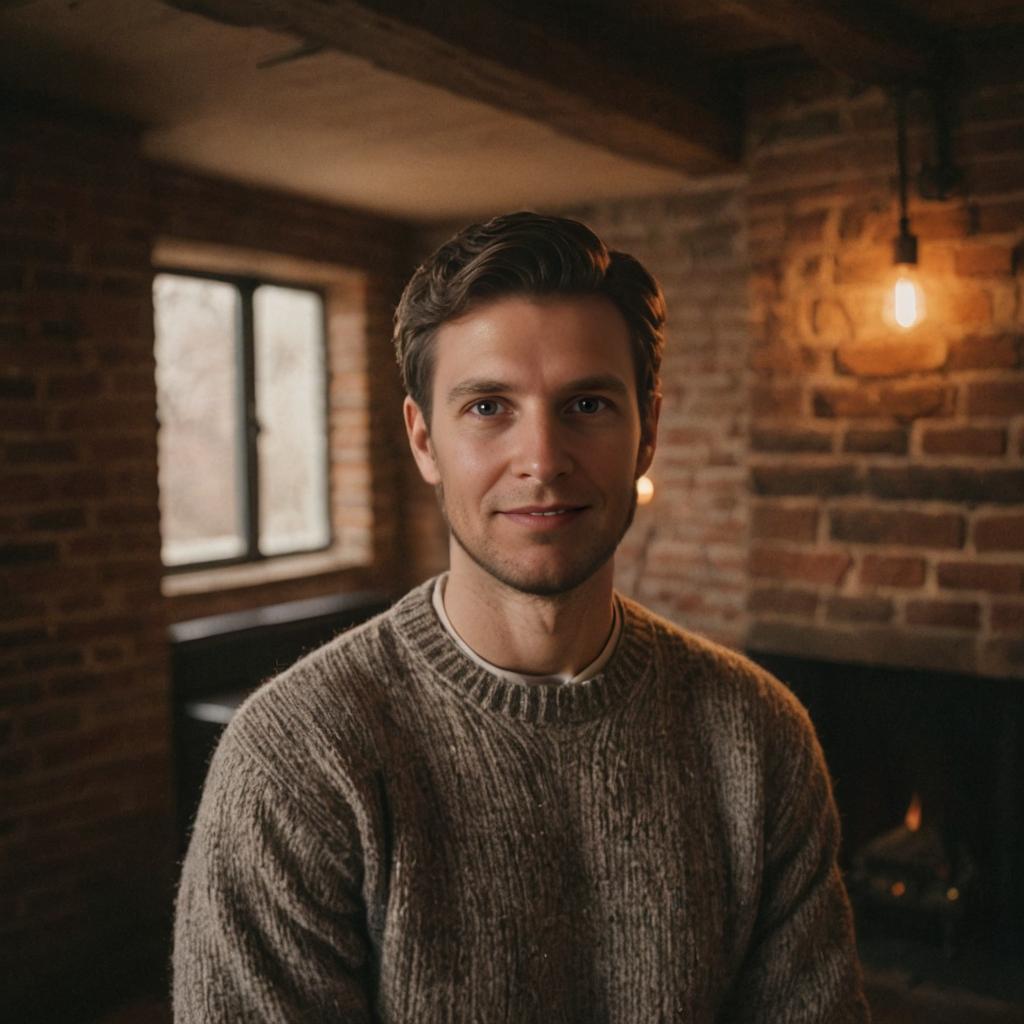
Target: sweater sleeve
{"points": [[802, 966], [269, 922]]}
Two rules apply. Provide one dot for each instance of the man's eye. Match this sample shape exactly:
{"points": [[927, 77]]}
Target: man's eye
{"points": [[588, 404], [486, 407]]}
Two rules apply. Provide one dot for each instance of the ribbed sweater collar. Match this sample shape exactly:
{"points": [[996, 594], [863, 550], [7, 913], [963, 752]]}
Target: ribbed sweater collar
{"points": [[555, 703]]}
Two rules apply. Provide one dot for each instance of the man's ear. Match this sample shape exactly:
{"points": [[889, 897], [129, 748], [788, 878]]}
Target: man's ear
{"points": [[648, 436], [419, 441]]}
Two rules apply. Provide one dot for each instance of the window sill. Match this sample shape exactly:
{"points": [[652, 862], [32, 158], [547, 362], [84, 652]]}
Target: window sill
{"points": [[255, 574]]}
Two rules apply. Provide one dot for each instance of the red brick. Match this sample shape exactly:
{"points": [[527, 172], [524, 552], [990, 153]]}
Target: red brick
{"points": [[824, 567], [989, 177], [53, 720], [883, 441], [27, 553], [999, 533], [916, 401], [891, 571], [24, 488], [790, 441], [964, 441], [74, 385], [986, 352], [783, 601], [1008, 618], [23, 419], [903, 403], [914, 529], [867, 266], [951, 614], [970, 307], [999, 216], [984, 260], [58, 519], [42, 451], [841, 608], [775, 399], [780, 522], [16, 388], [947, 483], [996, 398], [891, 359], [996, 579], [806, 479]]}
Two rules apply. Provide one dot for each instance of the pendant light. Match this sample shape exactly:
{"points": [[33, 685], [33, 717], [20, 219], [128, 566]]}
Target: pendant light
{"points": [[905, 301]]}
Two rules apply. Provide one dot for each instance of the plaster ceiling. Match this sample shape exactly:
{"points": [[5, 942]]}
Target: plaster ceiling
{"points": [[221, 99]]}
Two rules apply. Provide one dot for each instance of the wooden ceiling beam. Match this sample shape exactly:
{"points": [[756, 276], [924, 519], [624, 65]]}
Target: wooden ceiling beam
{"points": [[877, 44], [482, 52]]}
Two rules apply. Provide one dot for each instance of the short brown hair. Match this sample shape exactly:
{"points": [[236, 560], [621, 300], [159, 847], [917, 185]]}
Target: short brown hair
{"points": [[525, 254]]}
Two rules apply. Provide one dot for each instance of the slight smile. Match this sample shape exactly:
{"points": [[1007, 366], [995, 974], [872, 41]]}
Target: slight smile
{"points": [[543, 516]]}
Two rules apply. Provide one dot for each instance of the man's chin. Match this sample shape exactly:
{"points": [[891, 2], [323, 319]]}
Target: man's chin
{"points": [[549, 580]]}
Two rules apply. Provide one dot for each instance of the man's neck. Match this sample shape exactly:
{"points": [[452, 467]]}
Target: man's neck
{"points": [[525, 633]]}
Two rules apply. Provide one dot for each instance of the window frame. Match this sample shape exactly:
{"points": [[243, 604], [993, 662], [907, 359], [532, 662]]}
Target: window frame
{"points": [[247, 425]]}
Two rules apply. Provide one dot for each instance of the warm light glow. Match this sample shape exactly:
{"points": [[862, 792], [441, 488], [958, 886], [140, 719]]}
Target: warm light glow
{"points": [[952, 894], [913, 816], [906, 300], [644, 490], [897, 889]]}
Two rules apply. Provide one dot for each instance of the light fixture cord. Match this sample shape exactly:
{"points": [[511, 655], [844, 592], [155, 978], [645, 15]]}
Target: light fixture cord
{"points": [[901, 155]]}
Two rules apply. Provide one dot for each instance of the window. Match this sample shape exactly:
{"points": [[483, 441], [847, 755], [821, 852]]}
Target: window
{"points": [[242, 402]]}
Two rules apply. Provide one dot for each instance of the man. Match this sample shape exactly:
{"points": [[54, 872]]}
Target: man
{"points": [[517, 796]]}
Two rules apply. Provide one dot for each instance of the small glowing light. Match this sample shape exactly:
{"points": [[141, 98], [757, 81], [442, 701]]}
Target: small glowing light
{"points": [[952, 894], [644, 490], [905, 302], [897, 889]]}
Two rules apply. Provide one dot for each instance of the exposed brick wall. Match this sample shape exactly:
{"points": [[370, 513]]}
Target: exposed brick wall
{"points": [[85, 824], [86, 846], [885, 466]]}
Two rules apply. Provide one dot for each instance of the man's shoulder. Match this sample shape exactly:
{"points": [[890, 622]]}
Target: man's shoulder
{"points": [[714, 673], [334, 701]]}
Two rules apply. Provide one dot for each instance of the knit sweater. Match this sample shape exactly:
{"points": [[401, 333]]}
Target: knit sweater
{"points": [[391, 833]]}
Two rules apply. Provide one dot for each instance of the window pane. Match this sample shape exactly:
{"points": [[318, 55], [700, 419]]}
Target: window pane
{"points": [[291, 406], [197, 387]]}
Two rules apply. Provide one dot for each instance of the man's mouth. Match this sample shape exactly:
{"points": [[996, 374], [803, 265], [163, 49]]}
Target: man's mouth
{"points": [[535, 510], [541, 517]]}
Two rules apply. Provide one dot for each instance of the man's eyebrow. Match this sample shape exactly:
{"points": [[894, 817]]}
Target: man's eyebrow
{"points": [[492, 386], [477, 386], [599, 382]]}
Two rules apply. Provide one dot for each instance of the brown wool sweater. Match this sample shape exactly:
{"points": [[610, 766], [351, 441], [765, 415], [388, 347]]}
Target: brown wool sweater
{"points": [[390, 833]]}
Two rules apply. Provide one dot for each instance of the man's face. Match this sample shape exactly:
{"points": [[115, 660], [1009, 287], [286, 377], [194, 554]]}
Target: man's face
{"points": [[535, 440]]}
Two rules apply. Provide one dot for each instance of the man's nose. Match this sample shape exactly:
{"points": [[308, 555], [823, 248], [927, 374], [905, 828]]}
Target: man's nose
{"points": [[542, 449]]}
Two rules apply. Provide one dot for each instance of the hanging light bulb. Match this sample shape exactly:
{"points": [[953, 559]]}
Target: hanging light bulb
{"points": [[905, 301]]}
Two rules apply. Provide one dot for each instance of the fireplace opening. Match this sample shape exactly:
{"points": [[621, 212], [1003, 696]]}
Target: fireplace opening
{"points": [[929, 781]]}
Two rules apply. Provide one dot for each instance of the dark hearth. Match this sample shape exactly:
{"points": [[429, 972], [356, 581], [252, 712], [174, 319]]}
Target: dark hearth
{"points": [[927, 771], [909, 881]]}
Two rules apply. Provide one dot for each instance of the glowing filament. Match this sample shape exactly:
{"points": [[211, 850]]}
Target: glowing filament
{"points": [[905, 305]]}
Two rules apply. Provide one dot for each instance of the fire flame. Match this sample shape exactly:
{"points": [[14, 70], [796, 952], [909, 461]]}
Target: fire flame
{"points": [[913, 816]]}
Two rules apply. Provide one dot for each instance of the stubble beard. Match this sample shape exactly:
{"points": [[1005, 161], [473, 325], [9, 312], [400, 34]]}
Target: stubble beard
{"points": [[573, 576]]}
